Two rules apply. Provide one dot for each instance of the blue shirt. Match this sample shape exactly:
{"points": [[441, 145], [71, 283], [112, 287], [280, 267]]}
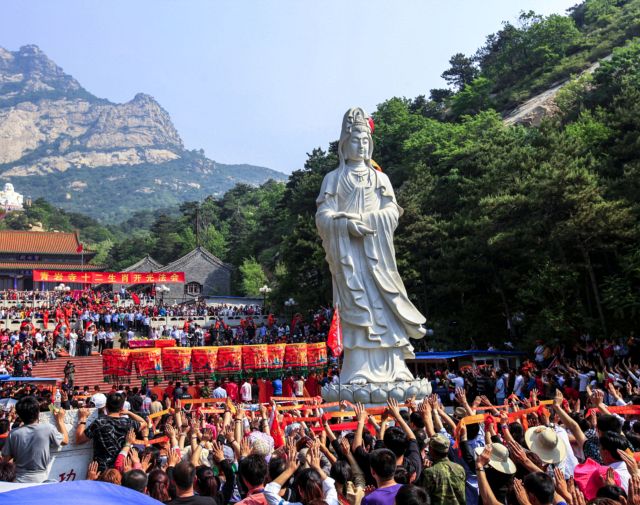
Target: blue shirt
{"points": [[277, 387]]}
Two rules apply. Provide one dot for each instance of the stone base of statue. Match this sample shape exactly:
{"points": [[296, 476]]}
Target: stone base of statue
{"points": [[377, 393]]}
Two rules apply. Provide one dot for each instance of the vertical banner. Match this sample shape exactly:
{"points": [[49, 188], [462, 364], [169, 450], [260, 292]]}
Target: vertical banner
{"points": [[147, 362], [204, 360], [116, 364], [317, 355], [295, 356], [255, 357], [230, 359], [275, 356], [176, 361]]}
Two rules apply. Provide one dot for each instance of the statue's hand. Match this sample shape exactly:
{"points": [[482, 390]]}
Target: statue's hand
{"points": [[358, 229], [346, 215]]}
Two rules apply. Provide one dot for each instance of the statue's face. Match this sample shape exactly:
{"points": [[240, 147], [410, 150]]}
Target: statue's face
{"points": [[357, 147]]}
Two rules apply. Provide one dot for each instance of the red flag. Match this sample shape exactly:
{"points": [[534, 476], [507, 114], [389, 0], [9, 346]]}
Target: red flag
{"points": [[276, 431], [334, 340], [136, 298], [80, 248]]}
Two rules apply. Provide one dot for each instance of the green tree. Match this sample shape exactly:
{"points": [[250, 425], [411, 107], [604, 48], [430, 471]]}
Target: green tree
{"points": [[462, 71], [253, 277]]}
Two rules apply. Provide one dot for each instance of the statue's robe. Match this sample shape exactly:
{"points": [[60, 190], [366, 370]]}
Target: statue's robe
{"points": [[376, 314]]}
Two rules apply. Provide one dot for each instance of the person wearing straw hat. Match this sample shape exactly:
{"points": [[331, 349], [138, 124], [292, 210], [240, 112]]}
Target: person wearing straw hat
{"points": [[495, 469], [544, 442], [495, 472]]}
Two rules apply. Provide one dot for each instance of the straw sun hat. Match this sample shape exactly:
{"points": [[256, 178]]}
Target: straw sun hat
{"points": [[499, 459], [545, 443]]}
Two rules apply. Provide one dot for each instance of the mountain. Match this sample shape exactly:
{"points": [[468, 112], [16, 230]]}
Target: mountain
{"points": [[90, 155]]}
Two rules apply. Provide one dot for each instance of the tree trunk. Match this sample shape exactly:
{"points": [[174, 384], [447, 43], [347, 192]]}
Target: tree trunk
{"points": [[505, 305], [594, 287]]}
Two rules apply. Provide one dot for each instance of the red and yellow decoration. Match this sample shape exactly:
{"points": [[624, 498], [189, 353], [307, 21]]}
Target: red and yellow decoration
{"points": [[235, 360], [108, 277]]}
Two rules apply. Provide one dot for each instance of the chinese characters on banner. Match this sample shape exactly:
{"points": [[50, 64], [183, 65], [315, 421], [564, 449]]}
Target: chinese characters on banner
{"points": [[108, 277]]}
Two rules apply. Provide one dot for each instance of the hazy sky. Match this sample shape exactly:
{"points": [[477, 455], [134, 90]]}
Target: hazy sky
{"points": [[261, 81]]}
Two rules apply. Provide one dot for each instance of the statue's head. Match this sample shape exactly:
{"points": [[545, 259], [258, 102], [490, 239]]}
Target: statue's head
{"points": [[356, 143]]}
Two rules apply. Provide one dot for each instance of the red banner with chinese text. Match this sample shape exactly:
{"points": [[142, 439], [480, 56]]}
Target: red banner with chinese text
{"points": [[204, 360], [108, 277], [255, 357], [295, 355]]}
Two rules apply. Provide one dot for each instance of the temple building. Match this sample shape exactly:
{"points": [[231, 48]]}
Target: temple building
{"points": [[21, 252], [10, 200], [205, 275]]}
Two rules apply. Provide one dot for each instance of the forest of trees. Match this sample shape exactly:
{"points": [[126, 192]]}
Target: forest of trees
{"points": [[508, 232]]}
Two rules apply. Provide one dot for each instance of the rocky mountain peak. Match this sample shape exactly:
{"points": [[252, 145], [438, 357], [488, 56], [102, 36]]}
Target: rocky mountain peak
{"points": [[58, 140], [28, 72]]}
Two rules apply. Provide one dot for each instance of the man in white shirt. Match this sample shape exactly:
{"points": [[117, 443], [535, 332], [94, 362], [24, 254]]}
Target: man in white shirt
{"points": [[245, 391], [88, 342], [73, 340], [518, 386]]}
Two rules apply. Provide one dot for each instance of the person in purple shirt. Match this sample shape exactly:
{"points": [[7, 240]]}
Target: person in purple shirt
{"points": [[383, 469]]}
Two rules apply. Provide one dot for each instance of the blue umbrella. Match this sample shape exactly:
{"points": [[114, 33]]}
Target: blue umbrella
{"points": [[82, 491]]}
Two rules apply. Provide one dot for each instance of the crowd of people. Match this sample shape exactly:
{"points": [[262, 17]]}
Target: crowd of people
{"points": [[79, 323], [559, 429]]}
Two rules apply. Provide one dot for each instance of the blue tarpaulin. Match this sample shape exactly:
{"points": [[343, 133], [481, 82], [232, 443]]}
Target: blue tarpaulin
{"points": [[8, 378], [83, 491], [442, 355]]}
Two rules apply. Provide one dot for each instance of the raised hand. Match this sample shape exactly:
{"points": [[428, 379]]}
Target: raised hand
{"points": [[314, 452], [634, 490], [245, 448], [361, 413], [484, 457], [561, 485], [521, 494], [630, 461], [92, 471], [173, 458], [345, 446], [517, 452], [292, 459], [131, 437], [558, 398], [217, 451], [393, 407], [145, 462]]}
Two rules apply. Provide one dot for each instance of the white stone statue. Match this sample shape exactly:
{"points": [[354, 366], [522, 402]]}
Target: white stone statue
{"points": [[356, 218], [10, 199]]}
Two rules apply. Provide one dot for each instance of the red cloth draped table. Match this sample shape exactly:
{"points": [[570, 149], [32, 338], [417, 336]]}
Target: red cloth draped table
{"points": [[255, 357], [147, 362], [116, 365], [176, 361], [165, 342], [317, 355], [229, 359], [139, 344], [275, 356], [204, 361], [295, 356]]}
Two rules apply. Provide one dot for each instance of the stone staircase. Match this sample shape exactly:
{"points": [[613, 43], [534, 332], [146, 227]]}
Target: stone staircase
{"points": [[88, 370]]}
